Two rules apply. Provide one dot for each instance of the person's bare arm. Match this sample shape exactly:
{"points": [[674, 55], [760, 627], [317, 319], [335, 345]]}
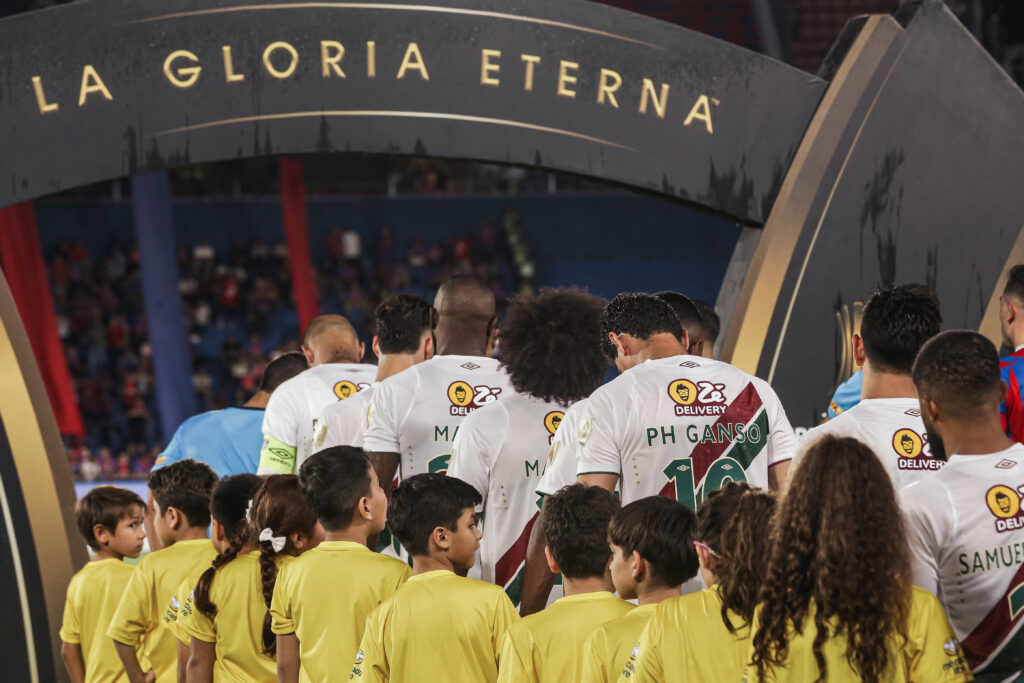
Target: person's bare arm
{"points": [[605, 481], [71, 653], [778, 476], [288, 659], [182, 661], [201, 656], [537, 578], [131, 664]]}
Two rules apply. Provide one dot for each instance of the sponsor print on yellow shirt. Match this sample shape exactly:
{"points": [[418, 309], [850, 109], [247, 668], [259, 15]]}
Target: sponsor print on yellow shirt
{"points": [[932, 653]]}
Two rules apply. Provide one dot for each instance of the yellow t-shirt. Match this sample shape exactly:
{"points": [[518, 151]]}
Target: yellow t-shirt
{"points": [[609, 646], [181, 604], [324, 597], [548, 646], [237, 628], [92, 596], [139, 616], [687, 638], [437, 627], [932, 654]]}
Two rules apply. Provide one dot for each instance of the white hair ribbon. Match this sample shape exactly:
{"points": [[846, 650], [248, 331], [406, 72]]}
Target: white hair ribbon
{"points": [[248, 512], [276, 542]]}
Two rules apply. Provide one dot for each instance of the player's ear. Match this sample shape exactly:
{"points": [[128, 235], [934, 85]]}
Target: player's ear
{"points": [[218, 530], [362, 350], [685, 339], [552, 565], [492, 336], [617, 341], [174, 517], [639, 567], [376, 346], [696, 347], [308, 353], [439, 537], [364, 508], [101, 534], [859, 354], [929, 408], [427, 346]]}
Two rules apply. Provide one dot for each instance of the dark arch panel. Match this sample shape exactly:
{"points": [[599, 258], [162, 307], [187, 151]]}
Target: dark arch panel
{"points": [[119, 87]]}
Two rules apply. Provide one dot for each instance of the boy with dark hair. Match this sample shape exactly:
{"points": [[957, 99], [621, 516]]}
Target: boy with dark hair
{"points": [[652, 555], [181, 494], [548, 646], [711, 326], [110, 520], [322, 598], [689, 317], [438, 625], [895, 324]]}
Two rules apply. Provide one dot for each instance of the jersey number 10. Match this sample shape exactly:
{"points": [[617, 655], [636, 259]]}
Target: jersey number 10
{"points": [[680, 473]]}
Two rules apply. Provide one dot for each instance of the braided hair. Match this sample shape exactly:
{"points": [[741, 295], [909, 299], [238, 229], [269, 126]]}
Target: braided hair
{"points": [[228, 506], [280, 506]]}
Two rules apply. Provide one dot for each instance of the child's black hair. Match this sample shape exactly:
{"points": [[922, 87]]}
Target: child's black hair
{"points": [[424, 502], [662, 531], [333, 481], [575, 523], [104, 505], [185, 485]]}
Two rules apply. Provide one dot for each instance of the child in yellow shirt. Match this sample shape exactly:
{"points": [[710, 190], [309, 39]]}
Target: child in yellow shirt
{"points": [[438, 626], [652, 555], [734, 526], [547, 647], [318, 631], [230, 625], [229, 506], [181, 495], [110, 520]]}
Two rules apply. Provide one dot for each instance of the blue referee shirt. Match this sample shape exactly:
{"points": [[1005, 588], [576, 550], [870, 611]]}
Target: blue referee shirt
{"points": [[228, 440]]}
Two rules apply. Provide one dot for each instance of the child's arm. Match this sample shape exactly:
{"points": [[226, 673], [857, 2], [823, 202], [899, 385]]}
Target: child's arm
{"points": [[287, 658], [182, 661], [71, 653], [131, 664], [201, 656]]}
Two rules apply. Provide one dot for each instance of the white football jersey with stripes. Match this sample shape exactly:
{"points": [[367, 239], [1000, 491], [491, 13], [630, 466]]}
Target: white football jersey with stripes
{"points": [[295, 405], [417, 412], [681, 427], [501, 450], [893, 429], [561, 464], [343, 423], [966, 529]]}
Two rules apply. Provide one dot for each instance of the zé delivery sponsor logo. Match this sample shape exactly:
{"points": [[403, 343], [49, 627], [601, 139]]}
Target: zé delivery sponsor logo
{"points": [[465, 398], [1004, 503], [697, 399]]}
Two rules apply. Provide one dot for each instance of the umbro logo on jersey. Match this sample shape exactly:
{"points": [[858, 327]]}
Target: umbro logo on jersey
{"points": [[470, 366], [689, 364], [697, 399], [465, 398], [1005, 464], [1004, 503], [913, 412]]}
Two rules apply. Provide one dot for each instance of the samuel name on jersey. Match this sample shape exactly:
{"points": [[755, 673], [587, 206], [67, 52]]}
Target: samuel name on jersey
{"points": [[501, 451], [417, 412], [966, 530], [290, 420], [683, 426], [893, 429]]}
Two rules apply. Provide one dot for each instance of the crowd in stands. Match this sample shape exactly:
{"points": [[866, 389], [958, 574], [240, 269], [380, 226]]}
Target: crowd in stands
{"points": [[240, 313]]}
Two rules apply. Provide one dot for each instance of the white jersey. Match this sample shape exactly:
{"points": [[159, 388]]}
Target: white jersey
{"points": [[966, 530], [343, 423], [290, 418], [501, 450], [682, 427], [893, 429], [562, 456], [417, 413]]}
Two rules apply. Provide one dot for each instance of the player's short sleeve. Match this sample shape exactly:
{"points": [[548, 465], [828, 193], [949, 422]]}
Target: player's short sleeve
{"points": [[505, 615], [782, 443], [71, 627], [280, 431], [471, 451], [198, 625], [281, 619], [562, 455], [133, 617], [595, 649], [511, 666], [181, 604], [937, 655], [371, 662], [599, 436], [172, 453], [644, 663], [382, 428], [924, 533]]}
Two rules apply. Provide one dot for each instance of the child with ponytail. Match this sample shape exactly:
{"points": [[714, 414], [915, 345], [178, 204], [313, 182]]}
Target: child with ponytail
{"points": [[705, 636], [230, 625]]}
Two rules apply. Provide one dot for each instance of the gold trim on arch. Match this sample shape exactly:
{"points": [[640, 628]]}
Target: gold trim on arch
{"points": [[400, 8], [989, 326], [397, 114], [762, 288]]}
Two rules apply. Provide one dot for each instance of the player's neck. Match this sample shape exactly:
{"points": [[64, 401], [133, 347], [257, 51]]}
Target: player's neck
{"points": [[592, 584], [662, 345], [458, 339], [656, 594], [981, 437], [886, 385], [106, 554], [392, 364], [191, 533], [259, 400], [352, 534], [421, 564]]}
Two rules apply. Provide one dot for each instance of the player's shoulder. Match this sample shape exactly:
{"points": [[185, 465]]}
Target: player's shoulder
{"points": [[489, 416]]}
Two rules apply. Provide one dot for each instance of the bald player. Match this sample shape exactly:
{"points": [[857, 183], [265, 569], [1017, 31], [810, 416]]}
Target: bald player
{"points": [[333, 350], [416, 414]]}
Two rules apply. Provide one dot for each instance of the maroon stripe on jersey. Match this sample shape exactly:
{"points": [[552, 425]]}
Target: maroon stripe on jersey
{"points": [[994, 628], [507, 565]]}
